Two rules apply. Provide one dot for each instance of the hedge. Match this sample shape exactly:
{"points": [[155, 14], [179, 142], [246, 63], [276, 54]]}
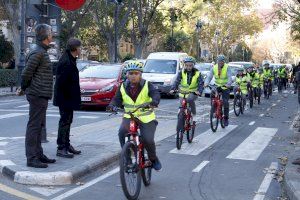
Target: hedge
{"points": [[8, 77]]}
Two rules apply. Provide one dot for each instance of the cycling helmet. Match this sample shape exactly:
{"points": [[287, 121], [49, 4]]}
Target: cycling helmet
{"points": [[134, 66], [266, 64], [189, 59], [221, 58]]}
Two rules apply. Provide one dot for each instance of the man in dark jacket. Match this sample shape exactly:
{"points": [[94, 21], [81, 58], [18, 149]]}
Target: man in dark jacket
{"points": [[67, 96], [37, 82]]}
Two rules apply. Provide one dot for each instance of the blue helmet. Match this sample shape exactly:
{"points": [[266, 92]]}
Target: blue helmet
{"points": [[189, 59], [221, 58], [134, 66]]}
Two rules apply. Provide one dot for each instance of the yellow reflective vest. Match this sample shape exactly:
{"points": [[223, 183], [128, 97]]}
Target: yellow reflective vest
{"points": [[221, 79], [144, 115], [184, 86]]}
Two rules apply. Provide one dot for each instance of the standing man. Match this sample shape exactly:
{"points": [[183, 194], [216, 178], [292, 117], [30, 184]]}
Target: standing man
{"points": [[37, 83], [223, 80], [67, 96]]}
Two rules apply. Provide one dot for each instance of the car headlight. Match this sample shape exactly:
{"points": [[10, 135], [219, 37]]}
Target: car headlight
{"points": [[168, 81], [108, 88]]}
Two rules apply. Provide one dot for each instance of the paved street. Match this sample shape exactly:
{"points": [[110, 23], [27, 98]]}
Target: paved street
{"points": [[236, 163]]}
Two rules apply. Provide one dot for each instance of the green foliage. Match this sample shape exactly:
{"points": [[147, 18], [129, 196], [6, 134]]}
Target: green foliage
{"points": [[128, 57], [242, 53], [180, 41], [6, 49], [8, 77]]}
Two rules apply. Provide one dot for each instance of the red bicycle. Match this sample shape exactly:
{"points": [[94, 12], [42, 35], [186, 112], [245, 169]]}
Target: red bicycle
{"points": [[216, 111], [134, 161], [185, 122]]}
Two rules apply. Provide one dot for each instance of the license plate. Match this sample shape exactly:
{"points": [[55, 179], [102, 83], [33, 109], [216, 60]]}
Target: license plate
{"points": [[86, 99]]}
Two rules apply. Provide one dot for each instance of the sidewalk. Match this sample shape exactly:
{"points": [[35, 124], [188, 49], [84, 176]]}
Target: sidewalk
{"points": [[98, 142], [291, 181], [6, 91]]}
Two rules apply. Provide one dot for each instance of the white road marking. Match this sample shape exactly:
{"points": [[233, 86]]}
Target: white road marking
{"points": [[260, 194], [253, 146], [23, 106], [203, 141], [88, 117], [2, 104], [10, 115], [3, 143], [86, 185], [252, 123], [45, 191], [53, 115], [2, 152], [4, 163], [261, 115], [200, 166]]}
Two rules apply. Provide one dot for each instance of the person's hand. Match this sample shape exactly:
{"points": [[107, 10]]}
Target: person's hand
{"points": [[198, 93], [20, 92], [172, 91], [111, 108]]}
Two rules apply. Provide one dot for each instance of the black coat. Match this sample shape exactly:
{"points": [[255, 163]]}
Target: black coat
{"points": [[67, 88]]}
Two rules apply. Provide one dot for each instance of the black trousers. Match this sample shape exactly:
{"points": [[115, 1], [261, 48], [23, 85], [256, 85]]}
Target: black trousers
{"points": [[37, 119], [64, 126]]}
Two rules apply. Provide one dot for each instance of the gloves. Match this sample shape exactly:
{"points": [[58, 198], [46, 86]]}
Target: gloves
{"points": [[112, 108]]}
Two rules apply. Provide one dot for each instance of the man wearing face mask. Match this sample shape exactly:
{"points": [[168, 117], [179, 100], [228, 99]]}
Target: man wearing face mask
{"points": [[67, 96], [223, 81], [189, 80]]}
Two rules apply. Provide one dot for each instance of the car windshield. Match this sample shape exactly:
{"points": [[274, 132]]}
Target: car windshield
{"points": [[234, 70], [204, 67], [100, 71], [245, 65], [160, 66]]}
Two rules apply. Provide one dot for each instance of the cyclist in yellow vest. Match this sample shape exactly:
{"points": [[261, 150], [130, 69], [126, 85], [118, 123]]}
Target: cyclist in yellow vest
{"points": [[132, 93], [189, 80], [268, 76], [223, 80], [242, 81], [282, 75], [254, 78]]}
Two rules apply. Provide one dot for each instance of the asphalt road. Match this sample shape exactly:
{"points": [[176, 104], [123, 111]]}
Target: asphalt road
{"points": [[237, 163]]}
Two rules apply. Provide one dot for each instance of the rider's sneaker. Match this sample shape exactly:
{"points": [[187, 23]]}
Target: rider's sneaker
{"points": [[156, 165], [226, 122]]}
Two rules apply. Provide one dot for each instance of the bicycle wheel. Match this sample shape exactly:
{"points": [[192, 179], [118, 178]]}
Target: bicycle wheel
{"points": [[147, 171], [222, 120], [180, 129], [251, 99], [191, 132], [214, 121], [130, 173], [236, 106], [242, 105]]}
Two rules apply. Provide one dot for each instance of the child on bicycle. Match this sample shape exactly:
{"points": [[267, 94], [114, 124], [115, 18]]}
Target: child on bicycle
{"points": [[242, 81], [132, 93], [189, 80]]}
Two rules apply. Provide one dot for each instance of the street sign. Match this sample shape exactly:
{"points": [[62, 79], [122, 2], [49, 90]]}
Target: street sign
{"points": [[70, 5]]}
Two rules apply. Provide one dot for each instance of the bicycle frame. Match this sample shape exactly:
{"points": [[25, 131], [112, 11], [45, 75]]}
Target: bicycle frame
{"points": [[218, 103], [187, 114]]}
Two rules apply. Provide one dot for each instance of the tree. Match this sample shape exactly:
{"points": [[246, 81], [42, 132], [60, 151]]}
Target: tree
{"points": [[103, 14], [241, 52], [288, 10], [6, 49], [180, 42]]}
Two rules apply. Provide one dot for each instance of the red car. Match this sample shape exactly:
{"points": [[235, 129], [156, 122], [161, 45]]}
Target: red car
{"points": [[99, 84]]}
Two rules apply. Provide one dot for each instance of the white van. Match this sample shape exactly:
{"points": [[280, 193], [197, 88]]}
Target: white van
{"points": [[161, 69]]}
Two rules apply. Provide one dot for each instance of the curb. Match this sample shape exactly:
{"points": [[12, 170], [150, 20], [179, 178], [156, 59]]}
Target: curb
{"points": [[57, 178]]}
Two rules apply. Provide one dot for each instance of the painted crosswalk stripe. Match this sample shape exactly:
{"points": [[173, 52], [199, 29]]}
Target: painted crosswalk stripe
{"points": [[252, 123], [46, 191], [203, 141], [200, 166], [53, 115], [260, 194], [3, 143], [88, 117], [23, 106], [253, 146], [10, 115]]}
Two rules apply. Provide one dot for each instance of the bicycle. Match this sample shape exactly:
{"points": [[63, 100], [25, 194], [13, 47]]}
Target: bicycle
{"points": [[216, 111], [267, 88], [185, 122], [134, 162], [250, 96], [239, 103]]}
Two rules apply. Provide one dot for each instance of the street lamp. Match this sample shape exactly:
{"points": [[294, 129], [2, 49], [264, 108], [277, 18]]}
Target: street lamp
{"points": [[21, 64], [217, 33], [198, 28]]}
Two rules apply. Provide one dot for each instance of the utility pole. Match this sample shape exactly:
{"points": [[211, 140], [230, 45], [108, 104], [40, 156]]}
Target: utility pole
{"points": [[198, 28], [217, 33], [117, 4], [21, 64]]}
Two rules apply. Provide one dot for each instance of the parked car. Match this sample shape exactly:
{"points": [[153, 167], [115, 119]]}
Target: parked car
{"points": [[84, 63], [162, 68], [99, 84], [204, 68], [234, 71]]}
